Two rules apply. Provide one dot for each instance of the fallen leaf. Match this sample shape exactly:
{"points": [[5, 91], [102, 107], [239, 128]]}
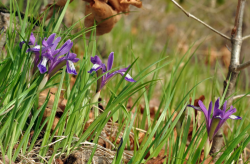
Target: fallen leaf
{"points": [[55, 122], [58, 161], [208, 160], [159, 159], [118, 6], [47, 112], [104, 15], [202, 98], [61, 104], [136, 3], [123, 5]]}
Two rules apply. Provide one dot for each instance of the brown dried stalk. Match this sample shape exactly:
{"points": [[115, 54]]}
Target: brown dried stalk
{"points": [[235, 66], [236, 40], [240, 96]]}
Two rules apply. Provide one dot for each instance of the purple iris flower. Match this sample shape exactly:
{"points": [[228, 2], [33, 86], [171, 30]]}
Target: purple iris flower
{"points": [[47, 48], [67, 60], [47, 51], [51, 56], [31, 41], [101, 68], [219, 116]]}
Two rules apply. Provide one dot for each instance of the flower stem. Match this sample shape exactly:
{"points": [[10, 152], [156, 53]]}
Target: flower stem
{"points": [[207, 148], [43, 82], [95, 100]]}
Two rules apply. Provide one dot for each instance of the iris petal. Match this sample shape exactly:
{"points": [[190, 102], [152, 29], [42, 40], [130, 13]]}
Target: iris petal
{"points": [[110, 61], [195, 107], [71, 68], [235, 117], [95, 68], [42, 65], [32, 39], [128, 77]]}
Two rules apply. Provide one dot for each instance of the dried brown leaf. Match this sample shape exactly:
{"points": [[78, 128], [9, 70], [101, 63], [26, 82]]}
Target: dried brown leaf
{"points": [[61, 104], [55, 122], [119, 7], [208, 160], [136, 3], [159, 159], [104, 15], [58, 161], [104, 12]]}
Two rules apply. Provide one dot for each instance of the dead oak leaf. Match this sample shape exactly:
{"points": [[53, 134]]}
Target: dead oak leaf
{"points": [[136, 3], [103, 14], [61, 105], [159, 159]]}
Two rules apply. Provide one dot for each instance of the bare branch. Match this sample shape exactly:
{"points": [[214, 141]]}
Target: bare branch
{"points": [[192, 16], [242, 66], [232, 75], [239, 96], [246, 37]]}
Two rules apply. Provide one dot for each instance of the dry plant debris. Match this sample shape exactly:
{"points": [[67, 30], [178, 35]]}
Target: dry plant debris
{"points": [[105, 13], [61, 105], [99, 11], [107, 143], [102, 13]]}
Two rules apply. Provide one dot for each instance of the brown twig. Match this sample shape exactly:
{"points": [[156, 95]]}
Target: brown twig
{"points": [[239, 96], [200, 21], [246, 37], [242, 66]]}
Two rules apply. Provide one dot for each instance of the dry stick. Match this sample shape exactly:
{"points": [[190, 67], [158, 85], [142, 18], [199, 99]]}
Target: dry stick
{"points": [[240, 96], [242, 66], [232, 75], [200, 21], [246, 37]]}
